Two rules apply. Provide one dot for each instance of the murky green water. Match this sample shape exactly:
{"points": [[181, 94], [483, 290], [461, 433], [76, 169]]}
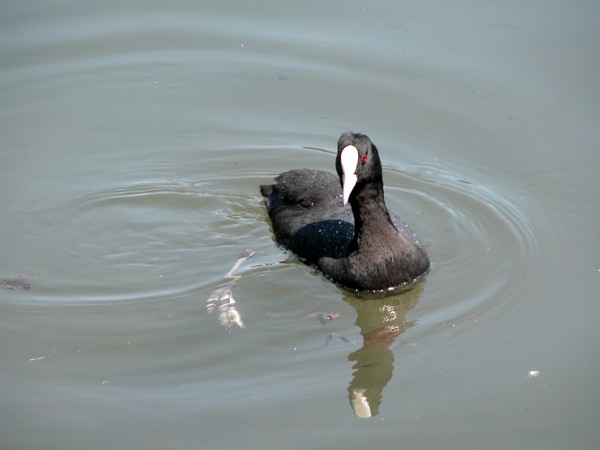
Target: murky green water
{"points": [[134, 139]]}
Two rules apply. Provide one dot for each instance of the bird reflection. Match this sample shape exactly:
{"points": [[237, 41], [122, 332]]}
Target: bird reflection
{"points": [[381, 322]]}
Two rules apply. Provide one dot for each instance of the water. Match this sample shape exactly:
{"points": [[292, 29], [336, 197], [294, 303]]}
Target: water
{"points": [[134, 138]]}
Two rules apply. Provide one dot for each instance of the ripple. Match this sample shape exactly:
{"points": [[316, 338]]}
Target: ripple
{"points": [[481, 241], [481, 244], [140, 241]]}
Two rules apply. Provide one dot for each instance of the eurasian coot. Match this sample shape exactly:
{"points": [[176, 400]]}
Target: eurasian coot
{"points": [[361, 247]]}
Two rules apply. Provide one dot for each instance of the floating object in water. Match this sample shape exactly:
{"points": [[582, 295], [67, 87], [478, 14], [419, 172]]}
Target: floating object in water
{"points": [[324, 317], [344, 339], [222, 298], [21, 281]]}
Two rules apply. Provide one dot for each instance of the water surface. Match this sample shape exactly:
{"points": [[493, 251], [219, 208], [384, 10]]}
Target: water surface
{"points": [[135, 137]]}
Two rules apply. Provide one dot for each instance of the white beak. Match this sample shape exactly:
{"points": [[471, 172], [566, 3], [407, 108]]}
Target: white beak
{"points": [[349, 160]]}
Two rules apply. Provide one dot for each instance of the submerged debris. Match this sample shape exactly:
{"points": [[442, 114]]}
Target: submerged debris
{"points": [[344, 339], [222, 298], [21, 281], [324, 317]]}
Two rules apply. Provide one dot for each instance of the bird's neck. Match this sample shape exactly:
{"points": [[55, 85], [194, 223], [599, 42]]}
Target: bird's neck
{"points": [[371, 215]]}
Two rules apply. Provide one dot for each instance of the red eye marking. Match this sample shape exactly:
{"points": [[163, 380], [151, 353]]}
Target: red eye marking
{"points": [[364, 159]]}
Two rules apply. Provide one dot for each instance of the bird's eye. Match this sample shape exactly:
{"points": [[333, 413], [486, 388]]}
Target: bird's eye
{"points": [[364, 159]]}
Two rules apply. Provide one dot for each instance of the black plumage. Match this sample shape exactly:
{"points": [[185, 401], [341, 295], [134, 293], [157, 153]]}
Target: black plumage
{"points": [[359, 246]]}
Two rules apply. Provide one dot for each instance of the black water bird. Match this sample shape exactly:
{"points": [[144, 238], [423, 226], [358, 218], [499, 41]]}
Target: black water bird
{"points": [[361, 247]]}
